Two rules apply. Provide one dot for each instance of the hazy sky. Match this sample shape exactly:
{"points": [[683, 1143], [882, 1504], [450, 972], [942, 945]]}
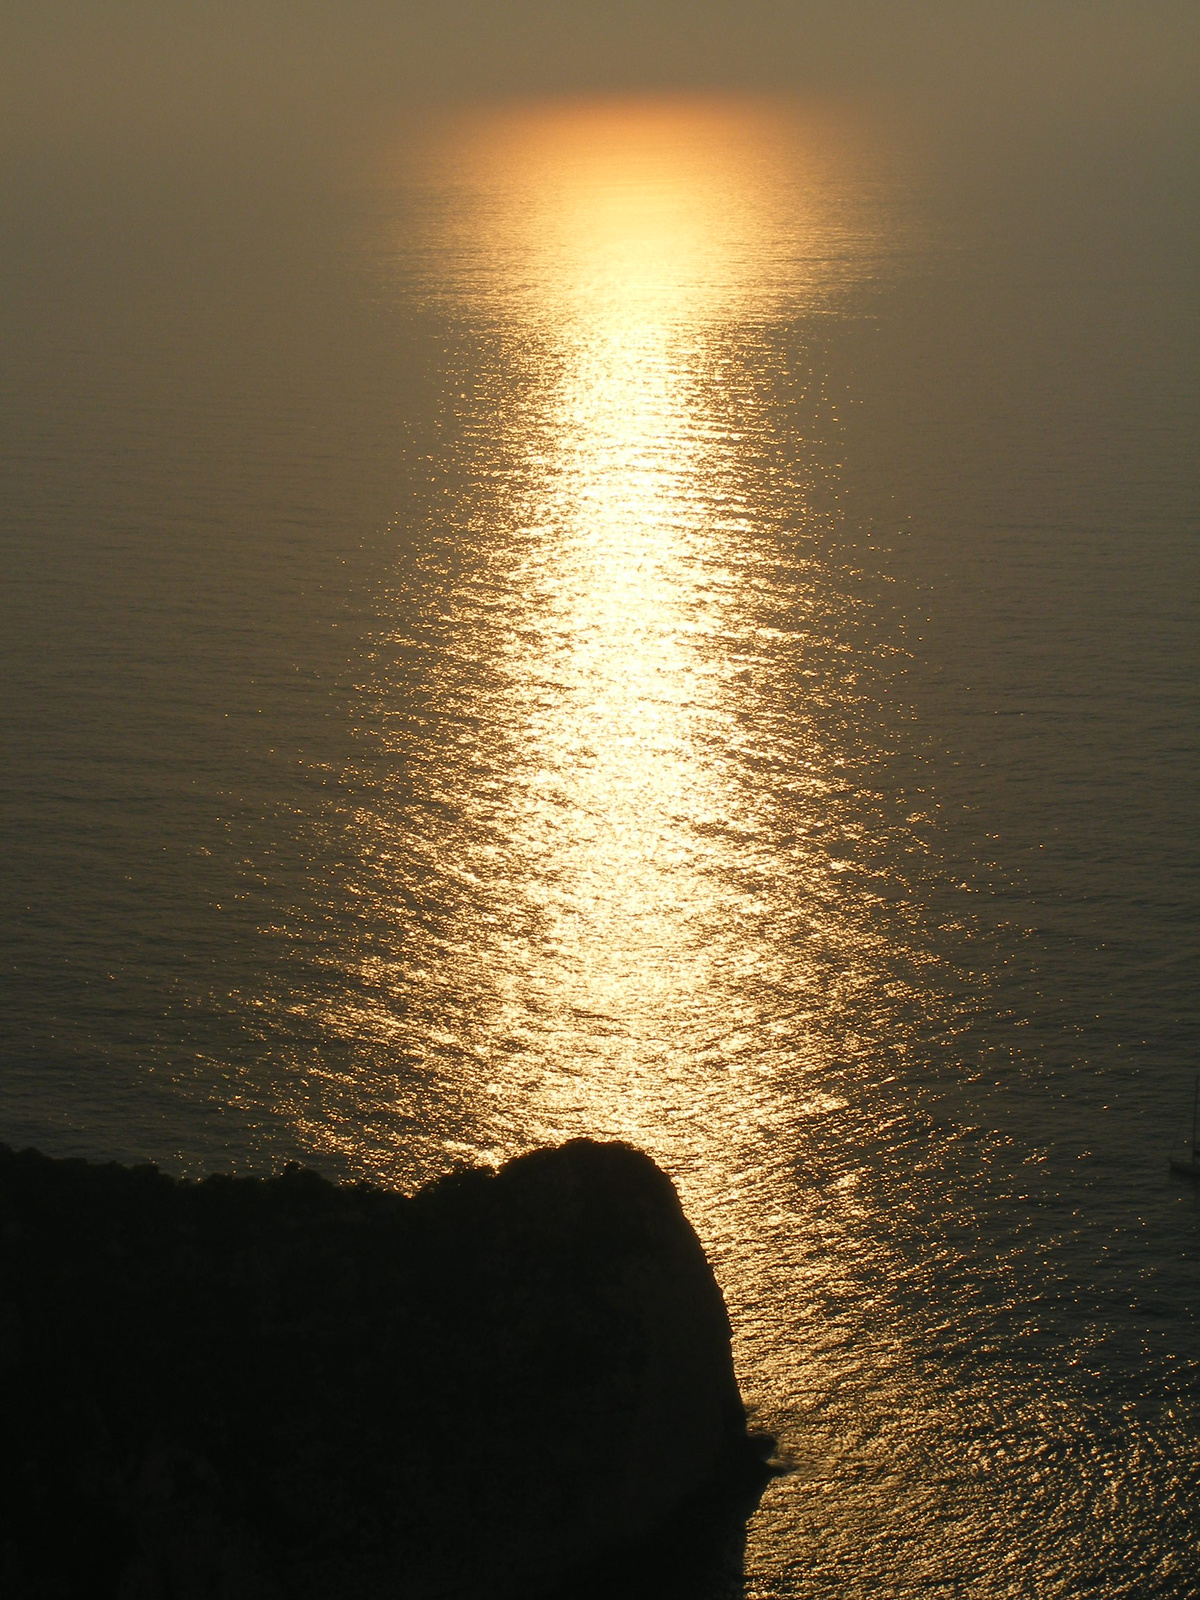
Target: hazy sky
{"points": [[71, 65]]}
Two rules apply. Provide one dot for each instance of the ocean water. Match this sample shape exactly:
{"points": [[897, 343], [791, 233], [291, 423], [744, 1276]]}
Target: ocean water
{"points": [[668, 619]]}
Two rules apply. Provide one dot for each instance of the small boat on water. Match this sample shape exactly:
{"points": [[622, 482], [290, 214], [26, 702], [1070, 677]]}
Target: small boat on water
{"points": [[1189, 1167]]}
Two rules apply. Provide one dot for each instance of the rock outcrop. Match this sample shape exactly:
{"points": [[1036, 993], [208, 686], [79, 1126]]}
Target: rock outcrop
{"points": [[245, 1388]]}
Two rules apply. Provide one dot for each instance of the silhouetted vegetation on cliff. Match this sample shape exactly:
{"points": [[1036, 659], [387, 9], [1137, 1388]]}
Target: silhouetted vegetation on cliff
{"points": [[251, 1387]]}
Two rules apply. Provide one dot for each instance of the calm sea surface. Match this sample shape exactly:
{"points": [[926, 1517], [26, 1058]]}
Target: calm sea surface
{"points": [[665, 620]]}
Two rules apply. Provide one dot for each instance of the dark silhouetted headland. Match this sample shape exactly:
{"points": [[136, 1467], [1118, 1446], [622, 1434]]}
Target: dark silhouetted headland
{"points": [[258, 1387]]}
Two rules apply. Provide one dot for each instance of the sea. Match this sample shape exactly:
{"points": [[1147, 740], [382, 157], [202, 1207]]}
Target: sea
{"points": [[672, 618]]}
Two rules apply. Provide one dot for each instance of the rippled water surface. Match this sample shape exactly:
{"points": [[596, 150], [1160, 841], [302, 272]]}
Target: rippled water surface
{"points": [[671, 620]]}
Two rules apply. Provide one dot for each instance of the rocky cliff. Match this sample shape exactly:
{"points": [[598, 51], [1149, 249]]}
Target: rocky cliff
{"points": [[245, 1388]]}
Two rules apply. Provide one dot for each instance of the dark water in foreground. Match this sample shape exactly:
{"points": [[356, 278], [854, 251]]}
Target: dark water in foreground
{"points": [[674, 622]]}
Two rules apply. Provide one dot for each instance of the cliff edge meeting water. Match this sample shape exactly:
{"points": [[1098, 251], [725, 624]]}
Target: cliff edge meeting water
{"points": [[631, 572]]}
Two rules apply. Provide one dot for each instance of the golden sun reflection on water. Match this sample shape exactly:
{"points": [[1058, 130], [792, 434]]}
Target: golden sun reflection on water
{"points": [[614, 872], [631, 602]]}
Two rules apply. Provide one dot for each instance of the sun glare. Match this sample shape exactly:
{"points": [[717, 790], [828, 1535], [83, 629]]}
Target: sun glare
{"points": [[612, 249], [607, 791], [676, 211]]}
